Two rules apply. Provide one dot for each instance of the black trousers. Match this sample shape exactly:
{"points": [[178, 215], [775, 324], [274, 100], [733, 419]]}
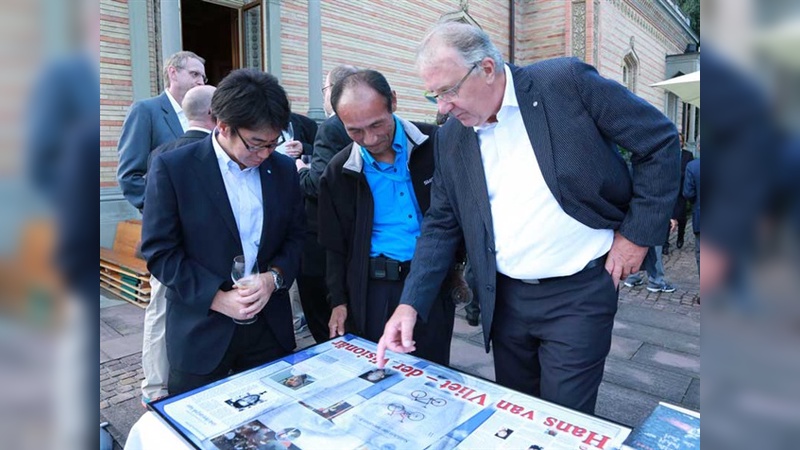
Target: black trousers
{"points": [[551, 339], [314, 299], [432, 338], [251, 346]]}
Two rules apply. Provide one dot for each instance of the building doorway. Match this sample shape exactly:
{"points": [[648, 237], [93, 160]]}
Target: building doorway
{"points": [[211, 31]]}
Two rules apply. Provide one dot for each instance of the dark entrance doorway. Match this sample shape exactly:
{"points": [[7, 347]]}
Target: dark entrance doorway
{"points": [[211, 31]]}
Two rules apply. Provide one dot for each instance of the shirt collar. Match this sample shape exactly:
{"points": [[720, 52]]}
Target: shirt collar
{"points": [[204, 130], [224, 160], [400, 141], [175, 105], [509, 104]]}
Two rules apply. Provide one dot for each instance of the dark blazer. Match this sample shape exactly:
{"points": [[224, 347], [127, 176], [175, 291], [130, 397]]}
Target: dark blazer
{"points": [[331, 138], [691, 191], [304, 131], [186, 139], [346, 208], [149, 123], [574, 119], [190, 237]]}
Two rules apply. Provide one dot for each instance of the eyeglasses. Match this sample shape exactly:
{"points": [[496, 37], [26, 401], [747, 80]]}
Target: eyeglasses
{"points": [[196, 74], [451, 93], [326, 88], [257, 148]]}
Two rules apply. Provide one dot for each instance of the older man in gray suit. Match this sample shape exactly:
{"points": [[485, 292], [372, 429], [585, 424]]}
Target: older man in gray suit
{"points": [[154, 121], [529, 173], [149, 124]]}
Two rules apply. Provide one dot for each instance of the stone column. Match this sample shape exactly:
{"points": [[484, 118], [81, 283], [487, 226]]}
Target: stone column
{"points": [[315, 109]]}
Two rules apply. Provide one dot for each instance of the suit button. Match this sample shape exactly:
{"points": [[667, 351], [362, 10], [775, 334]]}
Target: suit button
{"points": [[490, 288]]}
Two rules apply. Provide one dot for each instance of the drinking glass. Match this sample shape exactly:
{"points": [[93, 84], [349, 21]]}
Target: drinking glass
{"points": [[243, 275]]}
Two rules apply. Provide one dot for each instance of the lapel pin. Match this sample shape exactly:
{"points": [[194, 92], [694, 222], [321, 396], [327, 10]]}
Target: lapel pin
{"points": [[535, 104], [269, 171]]}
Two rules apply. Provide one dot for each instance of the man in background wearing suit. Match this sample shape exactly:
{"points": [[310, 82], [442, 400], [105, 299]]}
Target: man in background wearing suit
{"points": [[330, 139], [154, 121], [551, 222], [197, 107], [209, 202], [150, 123]]}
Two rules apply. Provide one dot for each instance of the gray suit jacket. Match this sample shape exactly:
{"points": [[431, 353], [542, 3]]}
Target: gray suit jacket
{"points": [[149, 123], [574, 120]]}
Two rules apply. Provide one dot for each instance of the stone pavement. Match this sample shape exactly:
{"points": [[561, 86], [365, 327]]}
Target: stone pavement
{"points": [[655, 351]]}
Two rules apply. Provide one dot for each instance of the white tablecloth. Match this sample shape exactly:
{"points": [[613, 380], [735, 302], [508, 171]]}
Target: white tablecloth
{"points": [[150, 433]]}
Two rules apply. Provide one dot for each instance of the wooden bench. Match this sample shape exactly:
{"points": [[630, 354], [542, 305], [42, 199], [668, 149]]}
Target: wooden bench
{"points": [[121, 271]]}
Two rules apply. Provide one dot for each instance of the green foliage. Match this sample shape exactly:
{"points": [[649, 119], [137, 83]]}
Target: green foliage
{"points": [[692, 9]]}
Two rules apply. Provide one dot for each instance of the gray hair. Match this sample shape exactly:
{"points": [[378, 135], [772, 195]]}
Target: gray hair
{"points": [[339, 72], [197, 102], [472, 43], [178, 61]]}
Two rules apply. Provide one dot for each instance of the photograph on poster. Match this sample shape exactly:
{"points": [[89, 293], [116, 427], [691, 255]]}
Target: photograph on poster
{"points": [[255, 435], [245, 401], [504, 433], [376, 375], [293, 380]]}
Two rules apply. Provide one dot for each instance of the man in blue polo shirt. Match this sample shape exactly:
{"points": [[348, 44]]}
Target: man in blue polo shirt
{"points": [[372, 198]]}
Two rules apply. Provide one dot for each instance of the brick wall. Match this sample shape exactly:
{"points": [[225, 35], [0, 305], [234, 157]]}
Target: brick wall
{"points": [[116, 92], [541, 30], [383, 34]]}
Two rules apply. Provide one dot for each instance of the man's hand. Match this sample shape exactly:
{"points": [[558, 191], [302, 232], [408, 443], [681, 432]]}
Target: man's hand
{"points": [[624, 258], [293, 149], [254, 295], [227, 303], [336, 324], [300, 164], [398, 334], [673, 225]]}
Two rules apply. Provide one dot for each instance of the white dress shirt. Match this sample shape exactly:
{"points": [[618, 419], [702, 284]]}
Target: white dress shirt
{"points": [[534, 237], [179, 111], [244, 194]]}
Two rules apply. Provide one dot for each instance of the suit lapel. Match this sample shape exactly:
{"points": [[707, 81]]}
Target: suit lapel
{"points": [[170, 116], [210, 178], [531, 105], [472, 168], [268, 198]]}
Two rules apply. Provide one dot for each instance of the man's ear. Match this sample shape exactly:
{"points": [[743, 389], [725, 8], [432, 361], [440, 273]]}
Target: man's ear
{"points": [[489, 69], [394, 101]]}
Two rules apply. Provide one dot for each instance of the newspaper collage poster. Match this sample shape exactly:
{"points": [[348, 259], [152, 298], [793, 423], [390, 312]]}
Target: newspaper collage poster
{"points": [[333, 396]]}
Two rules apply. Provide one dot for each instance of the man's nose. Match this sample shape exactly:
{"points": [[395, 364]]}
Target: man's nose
{"points": [[444, 107]]}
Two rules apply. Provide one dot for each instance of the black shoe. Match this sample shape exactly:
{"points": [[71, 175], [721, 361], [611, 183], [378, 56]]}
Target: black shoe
{"points": [[665, 251], [679, 243], [472, 319]]}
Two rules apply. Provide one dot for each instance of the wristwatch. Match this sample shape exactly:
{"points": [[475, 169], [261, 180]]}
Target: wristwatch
{"points": [[277, 278]]}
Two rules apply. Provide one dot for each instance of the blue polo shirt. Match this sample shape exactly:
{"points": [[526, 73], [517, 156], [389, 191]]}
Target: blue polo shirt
{"points": [[397, 218]]}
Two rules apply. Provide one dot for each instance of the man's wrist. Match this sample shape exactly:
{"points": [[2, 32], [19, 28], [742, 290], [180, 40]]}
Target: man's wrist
{"points": [[277, 277]]}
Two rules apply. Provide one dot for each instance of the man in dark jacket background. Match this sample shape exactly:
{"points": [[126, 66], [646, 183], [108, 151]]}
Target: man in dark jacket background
{"points": [[372, 197]]}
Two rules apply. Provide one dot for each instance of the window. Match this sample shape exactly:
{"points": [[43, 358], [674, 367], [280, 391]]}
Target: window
{"points": [[630, 70]]}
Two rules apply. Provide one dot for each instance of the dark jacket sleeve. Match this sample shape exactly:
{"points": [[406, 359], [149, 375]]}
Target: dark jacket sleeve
{"points": [[440, 239], [330, 139], [195, 285], [133, 149], [305, 130], [291, 250], [333, 237]]}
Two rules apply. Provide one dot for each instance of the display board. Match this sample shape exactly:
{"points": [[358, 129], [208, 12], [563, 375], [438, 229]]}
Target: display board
{"points": [[333, 396]]}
